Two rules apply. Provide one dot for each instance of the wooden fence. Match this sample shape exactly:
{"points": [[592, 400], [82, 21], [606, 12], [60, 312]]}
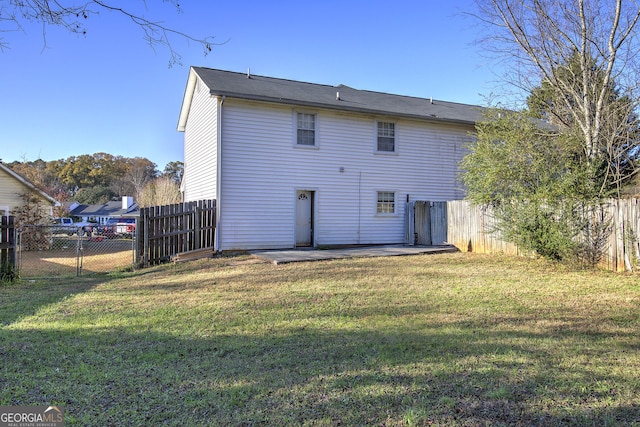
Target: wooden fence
{"points": [[164, 232], [429, 223], [472, 228], [7, 241]]}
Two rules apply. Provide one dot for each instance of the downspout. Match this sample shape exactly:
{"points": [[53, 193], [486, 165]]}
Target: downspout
{"points": [[359, 205], [219, 173]]}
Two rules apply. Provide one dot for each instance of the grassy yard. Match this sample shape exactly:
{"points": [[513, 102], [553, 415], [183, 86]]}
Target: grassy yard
{"points": [[450, 339]]}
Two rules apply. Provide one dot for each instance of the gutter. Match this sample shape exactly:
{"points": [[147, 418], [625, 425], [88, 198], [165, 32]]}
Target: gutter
{"points": [[343, 107]]}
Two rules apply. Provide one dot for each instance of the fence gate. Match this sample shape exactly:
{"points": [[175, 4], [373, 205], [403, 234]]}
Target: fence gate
{"points": [[429, 223], [46, 251]]}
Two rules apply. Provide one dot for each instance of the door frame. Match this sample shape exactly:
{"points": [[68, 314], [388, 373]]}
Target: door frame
{"points": [[313, 193]]}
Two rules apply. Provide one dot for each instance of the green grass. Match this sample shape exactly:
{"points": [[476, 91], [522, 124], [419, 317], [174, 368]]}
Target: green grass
{"points": [[451, 339]]}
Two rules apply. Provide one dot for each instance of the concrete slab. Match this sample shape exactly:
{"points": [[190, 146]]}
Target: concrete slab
{"points": [[300, 255]]}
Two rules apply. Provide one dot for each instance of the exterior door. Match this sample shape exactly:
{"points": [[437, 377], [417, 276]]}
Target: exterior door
{"points": [[304, 218]]}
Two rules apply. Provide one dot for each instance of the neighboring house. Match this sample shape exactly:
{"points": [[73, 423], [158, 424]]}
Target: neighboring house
{"points": [[299, 164], [13, 186], [101, 213]]}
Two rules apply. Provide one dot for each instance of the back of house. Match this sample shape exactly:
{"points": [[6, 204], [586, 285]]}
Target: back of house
{"points": [[295, 164]]}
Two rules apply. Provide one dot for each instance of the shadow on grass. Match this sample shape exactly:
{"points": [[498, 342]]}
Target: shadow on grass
{"points": [[451, 374], [308, 358], [28, 296]]}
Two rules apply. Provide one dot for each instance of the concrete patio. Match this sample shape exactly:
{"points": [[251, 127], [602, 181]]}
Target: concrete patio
{"points": [[311, 254]]}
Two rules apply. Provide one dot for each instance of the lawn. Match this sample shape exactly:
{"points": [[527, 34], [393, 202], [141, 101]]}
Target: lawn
{"points": [[449, 339]]}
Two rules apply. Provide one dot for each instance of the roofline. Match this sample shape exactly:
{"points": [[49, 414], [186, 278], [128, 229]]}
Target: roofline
{"points": [[27, 183], [187, 99], [246, 97]]}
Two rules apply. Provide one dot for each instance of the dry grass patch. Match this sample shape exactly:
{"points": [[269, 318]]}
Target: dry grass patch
{"points": [[62, 259]]}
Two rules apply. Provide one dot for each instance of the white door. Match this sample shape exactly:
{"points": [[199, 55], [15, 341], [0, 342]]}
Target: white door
{"points": [[304, 218]]}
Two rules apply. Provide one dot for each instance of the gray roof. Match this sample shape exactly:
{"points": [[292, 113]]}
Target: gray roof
{"points": [[259, 88], [109, 209]]}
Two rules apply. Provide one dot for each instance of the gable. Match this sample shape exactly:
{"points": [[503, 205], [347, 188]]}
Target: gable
{"points": [[12, 185]]}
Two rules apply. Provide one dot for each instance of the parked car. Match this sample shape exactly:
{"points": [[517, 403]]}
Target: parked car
{"points": [[69, 227], [109, 228], [118, 227], [63, 226]]}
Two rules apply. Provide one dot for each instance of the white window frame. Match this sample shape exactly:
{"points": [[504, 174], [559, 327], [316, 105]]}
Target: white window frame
{"points": [[296, 144], [383, 211], [377, 125], [5, 211]]}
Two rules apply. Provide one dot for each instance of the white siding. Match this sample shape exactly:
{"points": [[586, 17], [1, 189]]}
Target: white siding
{"points": [[200, 146], [262, 169]]}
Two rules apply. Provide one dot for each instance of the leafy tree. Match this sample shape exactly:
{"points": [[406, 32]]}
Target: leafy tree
{"points": [[105, 167], [577, 62], [525, 171], [76, 173], [39, 173], [174, 170], [94, 195], [95, 178], [513, 157], [75, 17]]}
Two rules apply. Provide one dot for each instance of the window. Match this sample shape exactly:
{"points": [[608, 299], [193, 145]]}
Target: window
{"points": [[387, 137], [386, 202], [306, 129]]}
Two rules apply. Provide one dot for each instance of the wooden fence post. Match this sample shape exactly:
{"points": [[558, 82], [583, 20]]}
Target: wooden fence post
{"points": [[8, 241]]}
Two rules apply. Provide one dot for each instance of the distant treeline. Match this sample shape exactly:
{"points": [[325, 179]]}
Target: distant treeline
{"points": [[96, 178]]}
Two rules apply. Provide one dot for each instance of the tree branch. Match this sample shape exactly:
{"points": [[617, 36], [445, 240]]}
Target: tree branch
{"points": [[72, 17]]}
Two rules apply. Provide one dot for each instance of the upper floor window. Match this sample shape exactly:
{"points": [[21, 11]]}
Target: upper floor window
{"points": [[306, 126], [386, 137], [386, 202]]}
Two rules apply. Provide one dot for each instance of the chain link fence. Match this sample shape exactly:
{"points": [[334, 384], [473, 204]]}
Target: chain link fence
{"points": [[46, 251]]}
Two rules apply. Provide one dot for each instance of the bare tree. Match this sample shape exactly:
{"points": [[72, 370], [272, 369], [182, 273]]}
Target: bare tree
{"points": [[73, 16], [140, 172], [541, 38], [161, 191]]}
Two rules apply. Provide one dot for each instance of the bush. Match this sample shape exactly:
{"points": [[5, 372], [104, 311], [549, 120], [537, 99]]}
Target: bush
{"points": [[538, 184], [33, 220], [545, 229]]}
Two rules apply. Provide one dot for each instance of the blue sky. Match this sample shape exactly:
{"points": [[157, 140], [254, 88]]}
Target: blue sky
{"points": [[110, 92]]}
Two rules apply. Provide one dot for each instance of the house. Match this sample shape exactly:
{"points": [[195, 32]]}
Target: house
{"points": [[101, 213], [12, 188], [296, 164]]}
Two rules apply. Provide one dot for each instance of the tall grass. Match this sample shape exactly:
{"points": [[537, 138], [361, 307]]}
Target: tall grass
{"points": [[451, 339]]}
